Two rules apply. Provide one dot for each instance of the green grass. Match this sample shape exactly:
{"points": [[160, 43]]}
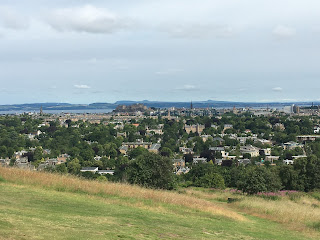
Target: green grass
{"points": [[2, 179], [30, 212]]}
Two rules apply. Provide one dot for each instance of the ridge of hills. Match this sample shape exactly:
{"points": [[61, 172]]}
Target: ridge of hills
{"points": [[156, 104]]}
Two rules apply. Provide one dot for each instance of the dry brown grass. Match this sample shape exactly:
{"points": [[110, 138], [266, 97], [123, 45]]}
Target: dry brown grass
{"points": [[74, 184], [299, 214]]}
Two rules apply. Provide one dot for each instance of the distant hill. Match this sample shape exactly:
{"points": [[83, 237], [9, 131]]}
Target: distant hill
{"points": [[211, 103], [157, 104]]}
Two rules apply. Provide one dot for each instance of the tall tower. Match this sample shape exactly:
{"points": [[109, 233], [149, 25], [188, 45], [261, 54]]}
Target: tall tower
{"points": [[191, 106], [41, 111]]}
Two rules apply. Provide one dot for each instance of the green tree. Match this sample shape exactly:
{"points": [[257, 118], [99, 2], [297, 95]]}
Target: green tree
{"points": [[308, 170], [205, 175], [258, 179], [289, 178], [74, 166], [37, 156], [137, 152], [61, 168], [211, 180], [3, 151], [166, 152], [151, 170]]}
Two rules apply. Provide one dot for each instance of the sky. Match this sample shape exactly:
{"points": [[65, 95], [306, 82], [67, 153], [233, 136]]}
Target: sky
{"points": [[79, 51]]}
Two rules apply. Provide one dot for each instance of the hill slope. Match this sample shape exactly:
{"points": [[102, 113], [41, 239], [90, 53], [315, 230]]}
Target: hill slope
{"points": [[45, 206]]}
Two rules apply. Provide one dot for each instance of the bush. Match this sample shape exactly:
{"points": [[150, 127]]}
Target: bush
{"points": [[296, 196], [316, 195], [269, 195], [102, 179]]}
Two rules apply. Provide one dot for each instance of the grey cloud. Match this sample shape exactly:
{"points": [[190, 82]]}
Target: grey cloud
{"points": [[277, 89], [82, 86], [187, 88], [169, 71], [282, 31], [11, 19], [88, 19], [195, 30]]}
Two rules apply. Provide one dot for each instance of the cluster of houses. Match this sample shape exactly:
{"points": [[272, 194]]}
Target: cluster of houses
{"points": [[21, 160], [246, 151], [151, 147], [225, 153]]}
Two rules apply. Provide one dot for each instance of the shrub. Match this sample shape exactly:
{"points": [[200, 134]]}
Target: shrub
{"points": [[102, 179], [316, 195], [269, 195]]}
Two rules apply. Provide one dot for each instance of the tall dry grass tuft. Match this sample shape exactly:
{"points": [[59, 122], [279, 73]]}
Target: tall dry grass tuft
{"points": [[298, 211], [74, 184], [300, 214]]}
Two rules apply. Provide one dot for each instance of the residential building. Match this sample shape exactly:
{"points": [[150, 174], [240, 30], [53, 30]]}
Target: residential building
{"points": [[205, 137], [288, 162], [89, 169], [244, 161], [185, 150], [123, 149], [291, 145], [178, 164], [105, 172], [155, 148], [197, 160], [253, 151], [196, 128], [305, 138]]}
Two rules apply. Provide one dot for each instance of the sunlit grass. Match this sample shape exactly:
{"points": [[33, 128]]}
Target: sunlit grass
{"points": [[300, 211], [74, 184], [31, 193]]}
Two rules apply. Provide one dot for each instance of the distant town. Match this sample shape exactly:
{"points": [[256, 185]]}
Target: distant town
{"points": [[222, 136]]}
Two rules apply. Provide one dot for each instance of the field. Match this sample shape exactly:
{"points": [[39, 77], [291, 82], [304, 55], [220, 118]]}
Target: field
{"points": [[37, 205]]}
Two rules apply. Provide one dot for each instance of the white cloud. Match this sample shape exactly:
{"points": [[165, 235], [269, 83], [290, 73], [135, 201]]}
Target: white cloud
{"points": [[242, 89], [277, 89], [92, 61], [197, 30], [82, 86], [169, 71], [288, 100], [11, 19], [187, 87], [88, 19], [281, 32]]}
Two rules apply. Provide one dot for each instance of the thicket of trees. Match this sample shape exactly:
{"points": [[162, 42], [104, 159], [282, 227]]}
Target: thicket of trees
{"points": [[83, 141], [303, 175]]}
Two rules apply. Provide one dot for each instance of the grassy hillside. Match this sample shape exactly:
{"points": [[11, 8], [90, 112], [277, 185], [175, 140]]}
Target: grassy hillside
{"points": [[38, 205]]}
